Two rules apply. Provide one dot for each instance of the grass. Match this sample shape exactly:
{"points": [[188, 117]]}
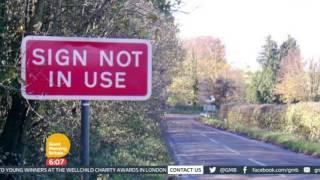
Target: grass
{"points": [[288, 141], [185, 110]]}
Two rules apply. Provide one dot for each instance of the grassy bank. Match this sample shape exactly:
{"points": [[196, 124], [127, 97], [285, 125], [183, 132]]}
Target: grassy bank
{"points": [[286, 140]]}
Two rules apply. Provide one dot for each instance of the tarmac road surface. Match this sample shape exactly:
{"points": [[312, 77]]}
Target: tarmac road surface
{"points": [[193, 143]]}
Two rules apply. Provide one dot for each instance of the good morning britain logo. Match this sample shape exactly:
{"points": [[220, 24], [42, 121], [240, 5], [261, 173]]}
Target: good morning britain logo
{"points": [[57, 147]]}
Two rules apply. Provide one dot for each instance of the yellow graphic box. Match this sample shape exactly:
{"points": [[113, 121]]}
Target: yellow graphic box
{"points": [[57, 145]]}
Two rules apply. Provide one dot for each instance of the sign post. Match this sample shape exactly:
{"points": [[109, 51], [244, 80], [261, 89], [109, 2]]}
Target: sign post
{"points": [[85, 130], [72, 68]]}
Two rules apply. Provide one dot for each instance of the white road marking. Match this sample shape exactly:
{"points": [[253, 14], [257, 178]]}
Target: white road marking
{"points": [[214, 141], [212, 154], [250, 140], [203, 135], [231, 150], [257, 162], [236, 136]]}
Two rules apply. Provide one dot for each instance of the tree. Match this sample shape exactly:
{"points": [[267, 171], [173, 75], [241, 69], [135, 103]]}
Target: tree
{"points": [[26, 124], [203, 61], [314, 80], [291, 78], [206, 48], [281, 75], [288, 45], [183, 89], [195, 83], [211, 63], [265, 80], [223, 89]]}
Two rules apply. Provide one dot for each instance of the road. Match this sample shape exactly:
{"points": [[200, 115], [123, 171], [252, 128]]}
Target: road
{"points": [[193, 143]]}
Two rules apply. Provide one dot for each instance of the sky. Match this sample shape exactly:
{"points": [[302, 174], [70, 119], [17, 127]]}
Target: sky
{"points": [[243, 25]]}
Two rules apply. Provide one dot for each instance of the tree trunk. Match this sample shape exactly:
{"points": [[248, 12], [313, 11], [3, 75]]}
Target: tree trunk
{"points": [[12, 133]]}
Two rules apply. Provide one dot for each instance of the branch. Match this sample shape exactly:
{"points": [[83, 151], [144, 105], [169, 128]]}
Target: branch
{"points": [[91, 18], [33, 110]]}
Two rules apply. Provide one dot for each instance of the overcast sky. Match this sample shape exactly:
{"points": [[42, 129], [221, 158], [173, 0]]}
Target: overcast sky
{"points": [[242, 25]]}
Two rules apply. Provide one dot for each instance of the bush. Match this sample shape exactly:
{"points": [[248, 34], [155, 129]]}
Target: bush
{"points": [[302, 119]]}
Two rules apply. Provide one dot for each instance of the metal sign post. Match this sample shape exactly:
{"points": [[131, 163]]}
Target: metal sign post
{"points": [[85, 129]]}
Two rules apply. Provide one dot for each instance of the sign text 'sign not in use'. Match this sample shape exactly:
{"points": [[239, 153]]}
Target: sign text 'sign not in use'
{"points": [[86, 68]]}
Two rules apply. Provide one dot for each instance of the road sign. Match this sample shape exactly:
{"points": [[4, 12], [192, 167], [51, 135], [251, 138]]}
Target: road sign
{"points": [[209, 108], [85, 68]]}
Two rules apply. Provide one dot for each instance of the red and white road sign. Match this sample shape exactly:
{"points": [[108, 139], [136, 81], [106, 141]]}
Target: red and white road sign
{"points": [[85, 68]]}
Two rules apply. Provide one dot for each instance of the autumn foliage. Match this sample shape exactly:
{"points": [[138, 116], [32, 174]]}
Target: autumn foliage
{"points": [[291, 78], [205, 72]]}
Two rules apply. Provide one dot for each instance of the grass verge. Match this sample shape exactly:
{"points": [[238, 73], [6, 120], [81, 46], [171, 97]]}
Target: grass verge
{"points": [[288, 141], [184, 110]]}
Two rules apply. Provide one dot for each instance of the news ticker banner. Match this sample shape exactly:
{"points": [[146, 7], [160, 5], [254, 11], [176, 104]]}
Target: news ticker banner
{"points": [[172, 170]]}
